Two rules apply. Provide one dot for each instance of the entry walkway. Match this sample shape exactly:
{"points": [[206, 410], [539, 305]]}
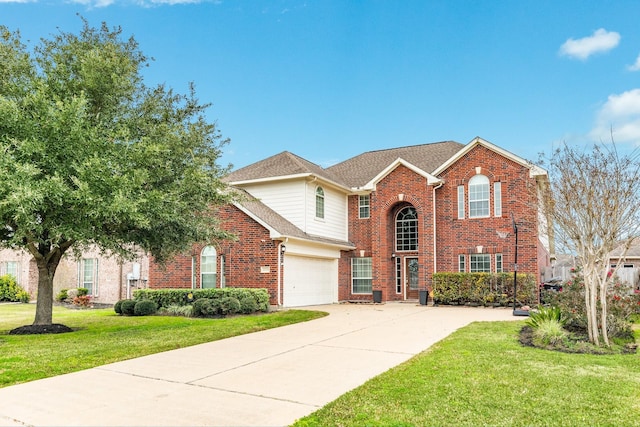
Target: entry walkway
{"points": [[268, 378]]}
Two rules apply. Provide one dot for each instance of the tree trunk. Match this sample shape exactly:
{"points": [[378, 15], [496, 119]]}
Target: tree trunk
{"points": [[47, 260], [44, 303], [603, 312]]}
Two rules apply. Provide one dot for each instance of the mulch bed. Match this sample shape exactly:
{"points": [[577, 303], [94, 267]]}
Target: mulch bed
{"points": [[55, 328]]}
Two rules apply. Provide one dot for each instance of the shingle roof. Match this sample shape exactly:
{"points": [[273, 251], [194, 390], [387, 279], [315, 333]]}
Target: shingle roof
{"points": [[354, 172], [359, 170], [282, 164], [280, 224]]}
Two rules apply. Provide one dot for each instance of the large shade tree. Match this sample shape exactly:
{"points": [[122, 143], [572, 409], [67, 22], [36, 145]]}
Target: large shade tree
{"points": [[593, 203], [92, 156]]}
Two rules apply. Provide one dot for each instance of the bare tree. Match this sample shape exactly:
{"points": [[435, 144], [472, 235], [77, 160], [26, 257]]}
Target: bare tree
{"points": [[593, 205]]}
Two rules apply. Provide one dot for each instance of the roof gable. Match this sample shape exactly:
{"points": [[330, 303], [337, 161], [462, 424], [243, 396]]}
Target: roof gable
{"points": [[371, 184], [533, 169], [362, 170]]}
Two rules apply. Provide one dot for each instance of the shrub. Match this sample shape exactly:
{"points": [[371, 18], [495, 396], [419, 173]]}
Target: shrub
{"points": [[206, 307], [82, 292], [145, 307], [622, 305], [128, 307], [82, 301], [177, 310], [117, 307], [167, 297], [248, 305], [229, 305], [11, 291], [62, 295], [545, 314], [549, 331], [482, 288]]}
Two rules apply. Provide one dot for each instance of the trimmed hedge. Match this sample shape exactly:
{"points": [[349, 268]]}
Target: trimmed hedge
{"points": [[127, 307], [11, 291], [145, 307], [168, 297], [483, 289]]}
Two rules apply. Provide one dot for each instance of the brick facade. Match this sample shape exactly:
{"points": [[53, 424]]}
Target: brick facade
{"points": [[250, 261]]}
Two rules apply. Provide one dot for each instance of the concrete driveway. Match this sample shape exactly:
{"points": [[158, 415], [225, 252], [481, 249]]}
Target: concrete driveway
{"points": [[268, 378]]}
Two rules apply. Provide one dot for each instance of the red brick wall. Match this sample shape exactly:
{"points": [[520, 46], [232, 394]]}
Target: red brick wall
{"points": [[456, 236], [377, 234], [245, 258]]}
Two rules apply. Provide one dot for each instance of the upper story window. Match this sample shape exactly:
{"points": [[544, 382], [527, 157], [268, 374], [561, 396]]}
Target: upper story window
{"points": [[319, 202], [407, 229], [208, 261], [479, 197], [364, 206]]}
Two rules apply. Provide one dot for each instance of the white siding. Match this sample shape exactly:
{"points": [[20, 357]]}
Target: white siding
{"points": [[286, 198], [295, 200], [334, 223]]}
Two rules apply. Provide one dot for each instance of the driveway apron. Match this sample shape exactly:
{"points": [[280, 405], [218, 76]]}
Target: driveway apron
{"points": [[268, 378]]}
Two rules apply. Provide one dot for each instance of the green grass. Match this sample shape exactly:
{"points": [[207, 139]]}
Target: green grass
{"points": [[102, 337], [481, 375]]}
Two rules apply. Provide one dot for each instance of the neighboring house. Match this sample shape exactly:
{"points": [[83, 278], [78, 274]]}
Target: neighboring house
{"points": [[107, 279], [629, 265], [384, 220]]}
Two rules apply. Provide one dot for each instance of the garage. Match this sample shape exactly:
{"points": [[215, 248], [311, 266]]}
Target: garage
{"points": [[309, 281]]}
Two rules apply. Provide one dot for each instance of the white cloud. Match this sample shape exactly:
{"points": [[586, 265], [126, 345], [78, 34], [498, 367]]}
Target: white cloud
{"points": [[619, 117], [601, 41], [636, 66]]}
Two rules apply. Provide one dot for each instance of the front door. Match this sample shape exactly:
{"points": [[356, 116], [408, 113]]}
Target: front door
{"points": [[411, 278]]}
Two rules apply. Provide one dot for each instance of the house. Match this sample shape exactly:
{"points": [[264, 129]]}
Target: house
{"points": [[107, 279], [383, 221]]}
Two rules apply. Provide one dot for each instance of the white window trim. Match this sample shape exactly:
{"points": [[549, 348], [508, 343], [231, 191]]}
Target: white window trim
{"points": [[215, 265], [361, 206], [353, 277], [501, 263], [320, 203], [486, 182], [462, 263], [485, 256], [497, 199], [461, 204]]}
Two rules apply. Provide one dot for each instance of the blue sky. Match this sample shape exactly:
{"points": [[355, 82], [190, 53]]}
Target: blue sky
{"points": [[328, 79]]}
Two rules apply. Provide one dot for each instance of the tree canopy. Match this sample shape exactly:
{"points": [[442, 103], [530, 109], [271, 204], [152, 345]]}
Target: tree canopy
{"points": [[90, 155]]}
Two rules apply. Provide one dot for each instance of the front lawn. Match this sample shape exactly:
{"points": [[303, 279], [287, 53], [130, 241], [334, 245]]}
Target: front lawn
{"points": [[481, 375], [102, 337]]}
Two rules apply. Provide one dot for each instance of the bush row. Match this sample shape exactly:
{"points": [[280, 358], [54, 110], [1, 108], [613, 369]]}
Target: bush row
{"points": [[165, 298], [129, 307], [484, 289], [11, 291]]}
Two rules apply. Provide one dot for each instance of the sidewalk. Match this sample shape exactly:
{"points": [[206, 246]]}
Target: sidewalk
{"points": [[268, 378]]}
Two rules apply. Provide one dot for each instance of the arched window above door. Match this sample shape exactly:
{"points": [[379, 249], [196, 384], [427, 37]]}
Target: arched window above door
{"points": [[407, 229]]}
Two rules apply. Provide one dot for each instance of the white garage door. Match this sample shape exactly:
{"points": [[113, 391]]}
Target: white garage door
{"points": [[309, 281]]}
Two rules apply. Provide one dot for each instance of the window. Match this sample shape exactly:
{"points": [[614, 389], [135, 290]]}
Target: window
{"points": [[460, 201], [497, 199], [364, 206], [361, 275], [407, 229], [462, 267], [398, 275], [194, 275], [88, 277], [479, 197], [208, 267], [498, 263], [319, 202], [13, 268], [480, 263]]}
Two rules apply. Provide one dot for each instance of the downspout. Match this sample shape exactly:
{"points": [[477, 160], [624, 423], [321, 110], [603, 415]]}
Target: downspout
{"points": [[280, 262], [435, 244]]}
